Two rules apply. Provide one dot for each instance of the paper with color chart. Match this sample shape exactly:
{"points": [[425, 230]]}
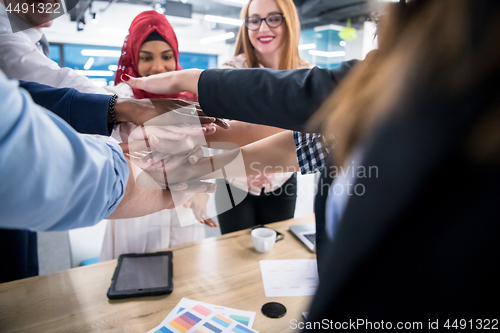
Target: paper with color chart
{"points": [[190, 321], [298, 277], [244, 317], [190, 316]]}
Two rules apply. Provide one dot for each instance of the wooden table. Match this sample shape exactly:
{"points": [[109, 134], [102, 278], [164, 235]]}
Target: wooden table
{"points": [[223, 271]]}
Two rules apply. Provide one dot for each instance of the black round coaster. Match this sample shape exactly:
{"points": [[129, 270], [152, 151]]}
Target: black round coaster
{"points": [[273, 310]]}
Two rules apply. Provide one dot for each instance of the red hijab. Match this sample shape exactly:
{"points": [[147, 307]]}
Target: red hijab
{"points": [[142, 26]]}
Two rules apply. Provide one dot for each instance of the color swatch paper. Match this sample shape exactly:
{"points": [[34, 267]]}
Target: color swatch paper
{"points": [[241, 319], [244, 317], [241, 329], [201, 309], [209, 328], [221, 320], [187, 322], [163, 330], [190, 316]]}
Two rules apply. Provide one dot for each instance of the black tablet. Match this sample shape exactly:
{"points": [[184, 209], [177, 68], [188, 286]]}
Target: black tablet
{"points": [[146, 274]]}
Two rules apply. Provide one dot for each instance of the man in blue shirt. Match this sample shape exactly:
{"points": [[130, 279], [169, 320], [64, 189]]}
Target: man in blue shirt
{"points": [[54, 178], [86, 113]]}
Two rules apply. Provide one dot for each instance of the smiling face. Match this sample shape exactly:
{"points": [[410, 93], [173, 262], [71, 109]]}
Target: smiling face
{"points": [[265, 40], [156, 57]]}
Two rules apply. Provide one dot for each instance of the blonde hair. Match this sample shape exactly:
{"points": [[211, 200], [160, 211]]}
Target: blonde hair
{"points": [[290, 58], [431, 44]]}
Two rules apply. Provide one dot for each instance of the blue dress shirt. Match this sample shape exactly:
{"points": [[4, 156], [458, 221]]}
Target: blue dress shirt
{"points": [[52, 177]]}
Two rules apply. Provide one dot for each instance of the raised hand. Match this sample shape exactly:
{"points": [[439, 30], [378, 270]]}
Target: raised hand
{"points": [[166, 83], [166, 141], [139, 111]]}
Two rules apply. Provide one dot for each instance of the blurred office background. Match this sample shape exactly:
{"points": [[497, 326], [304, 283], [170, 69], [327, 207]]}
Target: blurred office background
{"points": [[89, 38]]}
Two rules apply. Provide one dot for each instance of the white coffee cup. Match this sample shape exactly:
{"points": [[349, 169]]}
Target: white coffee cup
{"points": [[263, 239]]}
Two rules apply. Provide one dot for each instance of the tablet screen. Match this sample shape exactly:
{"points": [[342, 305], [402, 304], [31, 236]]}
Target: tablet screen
{"points": [[143, 272]]}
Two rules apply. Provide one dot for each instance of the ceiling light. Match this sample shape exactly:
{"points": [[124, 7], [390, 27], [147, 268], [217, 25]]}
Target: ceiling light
{"points": [[307, 46], [95, 73], [327, 54], [329, 27], [101, 53], [217, 38], [223, 20], [181, 21], [89, 63], [236, 3], [113, 67], [112, 31]]}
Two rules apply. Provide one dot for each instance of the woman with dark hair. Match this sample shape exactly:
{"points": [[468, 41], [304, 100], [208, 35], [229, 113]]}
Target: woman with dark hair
{"points": [[150, 48]]}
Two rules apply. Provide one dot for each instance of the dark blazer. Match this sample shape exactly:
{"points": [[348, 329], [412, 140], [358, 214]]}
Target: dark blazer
{"points": [[283, 99], [422, 242], [86, 113]]}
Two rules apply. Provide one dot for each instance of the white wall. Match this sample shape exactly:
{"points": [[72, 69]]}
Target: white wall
{"points": [[86, 243], [112, 27], [306, 191], [364, 42], [369, 40]]}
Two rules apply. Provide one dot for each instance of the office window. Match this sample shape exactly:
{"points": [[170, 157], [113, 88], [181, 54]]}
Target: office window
{"points": [[55, 53], [99, 63], [194, 60], [322, 48]]}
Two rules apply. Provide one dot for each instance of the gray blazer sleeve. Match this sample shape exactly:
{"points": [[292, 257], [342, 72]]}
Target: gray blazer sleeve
{"points": [[283, 99]]}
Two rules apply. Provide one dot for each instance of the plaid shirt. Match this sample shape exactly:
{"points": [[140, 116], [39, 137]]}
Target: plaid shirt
{"points": [[311, 151]]}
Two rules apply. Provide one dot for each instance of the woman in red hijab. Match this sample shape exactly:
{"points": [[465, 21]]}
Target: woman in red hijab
{"points": [[151, 48]]}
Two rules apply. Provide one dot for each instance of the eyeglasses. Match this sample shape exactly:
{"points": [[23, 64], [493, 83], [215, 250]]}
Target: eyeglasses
{"points": [[273, 20]]}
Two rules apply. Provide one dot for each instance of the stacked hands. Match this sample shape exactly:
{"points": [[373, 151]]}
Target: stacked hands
{"points": [[165, 151], [166, 147]]}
